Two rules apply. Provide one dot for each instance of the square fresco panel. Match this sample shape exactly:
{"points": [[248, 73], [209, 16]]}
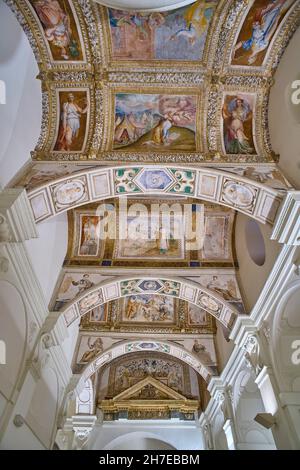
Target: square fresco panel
{"points": [[60, 29], [173, 35], [258, 30], [238, 117], [155, 122], [148, 308]]}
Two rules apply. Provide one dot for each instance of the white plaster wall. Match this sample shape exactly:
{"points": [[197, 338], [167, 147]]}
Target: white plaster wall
{"points": [[3, 403], [181, 436], [284, 118], [251, 277], [20, 117], [47, 252]]}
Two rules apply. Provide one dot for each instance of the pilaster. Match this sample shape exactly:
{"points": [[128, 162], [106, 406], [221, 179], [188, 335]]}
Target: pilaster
{"points": [[17, 223]]}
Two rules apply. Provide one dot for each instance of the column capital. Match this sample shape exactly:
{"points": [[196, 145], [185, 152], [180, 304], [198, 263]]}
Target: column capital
{"points": [[286, 229], [16, 218]]}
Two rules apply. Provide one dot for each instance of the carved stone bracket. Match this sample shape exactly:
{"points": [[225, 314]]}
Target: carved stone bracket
{"points": [[252, 354]]}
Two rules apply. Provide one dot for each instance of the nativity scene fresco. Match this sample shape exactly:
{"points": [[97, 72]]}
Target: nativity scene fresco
{"points": [[173, 35], [258, 30], [155, 122]]}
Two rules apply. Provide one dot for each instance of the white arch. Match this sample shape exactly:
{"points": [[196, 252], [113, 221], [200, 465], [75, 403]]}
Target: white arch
{"points": [[173, 287], [142, 345], [208, 184]]}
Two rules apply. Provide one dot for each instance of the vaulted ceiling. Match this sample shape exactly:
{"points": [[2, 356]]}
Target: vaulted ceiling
{"points": [[158, 87]]}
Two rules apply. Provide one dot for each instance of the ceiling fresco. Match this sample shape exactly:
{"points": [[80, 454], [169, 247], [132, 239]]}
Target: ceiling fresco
{"points": [[189, 85], [160, 108], [148, 313]]}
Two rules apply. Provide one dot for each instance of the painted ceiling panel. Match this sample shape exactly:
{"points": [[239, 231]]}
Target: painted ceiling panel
{"points": [[189, 85]]}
